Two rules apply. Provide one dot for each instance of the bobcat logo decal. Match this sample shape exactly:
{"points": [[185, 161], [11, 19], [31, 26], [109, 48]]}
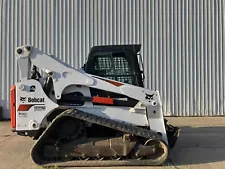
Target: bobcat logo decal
{"points": [[22, 99], [149, 97]]}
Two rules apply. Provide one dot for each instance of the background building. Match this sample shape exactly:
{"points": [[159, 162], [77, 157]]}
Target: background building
{"points": [[183, 43]]}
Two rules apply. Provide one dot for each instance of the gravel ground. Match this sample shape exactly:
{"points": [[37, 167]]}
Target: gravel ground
{"points": [[201, 145]]}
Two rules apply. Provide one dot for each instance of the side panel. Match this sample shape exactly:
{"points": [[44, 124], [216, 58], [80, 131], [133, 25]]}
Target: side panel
{"points": [[32, 105]]}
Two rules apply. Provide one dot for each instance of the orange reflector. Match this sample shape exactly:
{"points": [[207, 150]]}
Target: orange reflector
{"points": [[102, 100]]}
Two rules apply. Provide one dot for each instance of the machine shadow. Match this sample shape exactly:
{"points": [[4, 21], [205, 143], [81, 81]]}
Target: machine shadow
{"points": [[199, 145]]}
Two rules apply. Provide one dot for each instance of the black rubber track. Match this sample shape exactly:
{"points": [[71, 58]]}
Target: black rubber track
{"points": [[120, 126]]}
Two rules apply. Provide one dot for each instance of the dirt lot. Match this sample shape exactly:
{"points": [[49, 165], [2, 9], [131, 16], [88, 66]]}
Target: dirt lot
{"points": [[201, 146]]}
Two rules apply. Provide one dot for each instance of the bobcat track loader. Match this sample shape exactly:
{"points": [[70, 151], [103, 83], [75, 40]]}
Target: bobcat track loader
{"points": [[100, 115]]}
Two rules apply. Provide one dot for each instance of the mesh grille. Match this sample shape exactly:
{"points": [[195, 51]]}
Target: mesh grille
{"points": [[115, 67]]}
